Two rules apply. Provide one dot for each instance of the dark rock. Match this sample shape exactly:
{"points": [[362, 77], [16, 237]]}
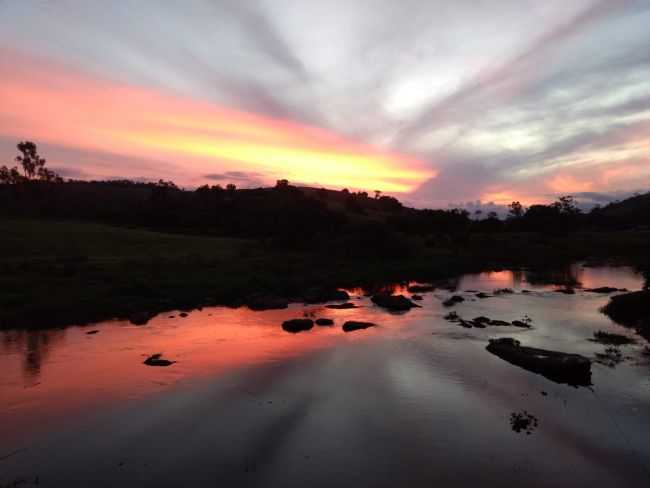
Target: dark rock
{"points": [[183, 314], [572, 369], [521, 323], [91, 332], [631, 310], [450, 302], [156, 360], [503, 291], [452, 317], [500, 323], [324, 321], [297, 325], [566, 291], [416, 297], [483, 320], [259, 302], [341, 306], [322, 295], [612, 339], [482, 295], [604, 290], [141, 318], [353, 325], [420, 288], [393, 302]]}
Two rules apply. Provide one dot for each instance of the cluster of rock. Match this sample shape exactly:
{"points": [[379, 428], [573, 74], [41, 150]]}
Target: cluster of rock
{"points": [[300, 325], [482, 322]]}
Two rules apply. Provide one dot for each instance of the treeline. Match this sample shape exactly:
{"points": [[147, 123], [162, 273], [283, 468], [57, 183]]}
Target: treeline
{"points": [[341, 222]]}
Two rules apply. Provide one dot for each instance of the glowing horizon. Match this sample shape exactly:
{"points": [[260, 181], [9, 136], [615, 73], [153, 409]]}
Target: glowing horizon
{"points": [[76, 110]]}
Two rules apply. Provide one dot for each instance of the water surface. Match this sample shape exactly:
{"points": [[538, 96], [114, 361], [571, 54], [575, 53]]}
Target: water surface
{"points": [[416, 401]]}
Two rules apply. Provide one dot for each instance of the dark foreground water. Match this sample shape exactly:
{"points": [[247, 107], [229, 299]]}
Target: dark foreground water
{"points": [[416, 401]]}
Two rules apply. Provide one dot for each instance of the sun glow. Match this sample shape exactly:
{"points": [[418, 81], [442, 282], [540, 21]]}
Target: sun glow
{"points": [[48, 103]]}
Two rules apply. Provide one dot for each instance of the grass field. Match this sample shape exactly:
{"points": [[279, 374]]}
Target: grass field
{"points": [[60, 273]]}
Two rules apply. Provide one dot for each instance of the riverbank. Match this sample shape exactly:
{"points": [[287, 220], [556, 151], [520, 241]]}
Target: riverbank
{"points": [[58, 273]]}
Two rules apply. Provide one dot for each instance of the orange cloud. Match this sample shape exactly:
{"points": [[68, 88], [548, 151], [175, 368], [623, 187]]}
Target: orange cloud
{"points": [[49, 103], [563, 183]]}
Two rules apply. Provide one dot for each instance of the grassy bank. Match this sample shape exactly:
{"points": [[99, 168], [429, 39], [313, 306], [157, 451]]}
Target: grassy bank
{"points": [[60, 273]]}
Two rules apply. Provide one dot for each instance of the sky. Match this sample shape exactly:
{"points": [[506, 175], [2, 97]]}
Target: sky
{"points": [[471, 103]]}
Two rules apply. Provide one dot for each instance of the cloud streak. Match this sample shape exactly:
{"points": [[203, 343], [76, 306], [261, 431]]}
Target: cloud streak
{"points": [[438, 102]]}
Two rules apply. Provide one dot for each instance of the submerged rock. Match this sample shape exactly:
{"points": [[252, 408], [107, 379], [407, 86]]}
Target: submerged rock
{"points": [[631, 310], [352, 325], [503, 291], [91, 332], [416, 297], [259, 302], [572, 369], [482, 295], [297, 325], [324, 321], [341, 306], [183, 314], [156, 360], [393, 302]]}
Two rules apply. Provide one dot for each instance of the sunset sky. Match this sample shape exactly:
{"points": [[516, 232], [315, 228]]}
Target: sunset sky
{"points": [[437, 102]]}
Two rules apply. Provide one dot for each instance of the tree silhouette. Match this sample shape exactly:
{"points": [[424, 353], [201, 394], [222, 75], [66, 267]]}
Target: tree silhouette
{"points": [[33, 167], [29, 159], [515, 210]]}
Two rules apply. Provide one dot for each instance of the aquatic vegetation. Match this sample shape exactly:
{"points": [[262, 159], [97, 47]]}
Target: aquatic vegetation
{"points": [[612, 339], [523, 422]]}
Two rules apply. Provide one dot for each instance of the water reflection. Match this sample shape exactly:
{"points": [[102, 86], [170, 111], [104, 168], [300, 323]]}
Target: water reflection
{"points": [[417, 392], [33, 346]]}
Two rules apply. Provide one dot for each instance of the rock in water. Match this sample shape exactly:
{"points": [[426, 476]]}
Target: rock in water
{"points": [[353, 325], [324, 321], [297, 325], [571, 369], [604, 290], [156, 360]]}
